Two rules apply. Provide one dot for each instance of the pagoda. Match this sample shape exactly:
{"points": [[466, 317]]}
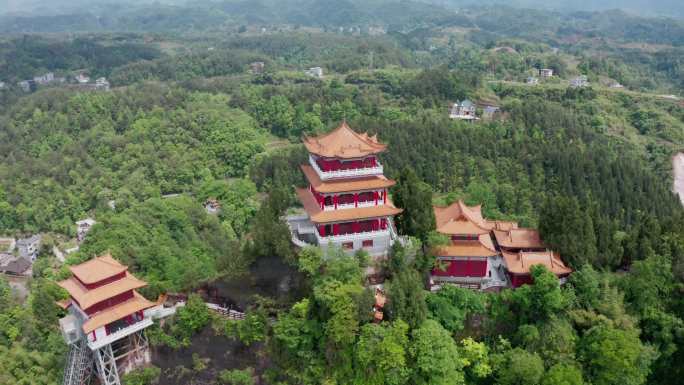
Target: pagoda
{"points": [[487, 255], [106, 321], [346, 202]]}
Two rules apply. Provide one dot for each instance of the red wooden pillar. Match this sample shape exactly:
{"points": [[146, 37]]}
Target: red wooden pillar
{"points": [[384, 197], [335, 201], [336, 229], [375, 194], [356, 199], [321, 230]]}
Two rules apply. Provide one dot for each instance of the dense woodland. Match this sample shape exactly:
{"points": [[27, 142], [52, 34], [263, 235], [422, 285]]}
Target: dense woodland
{"points": [[186, 121]]}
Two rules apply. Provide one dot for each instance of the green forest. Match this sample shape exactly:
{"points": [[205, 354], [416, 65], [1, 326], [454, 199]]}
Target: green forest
{"points": [[186, 120]]}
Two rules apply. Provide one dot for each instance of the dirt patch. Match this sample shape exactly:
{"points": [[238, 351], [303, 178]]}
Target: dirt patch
{"points": [[268, 277], [19, 286], [215, 354]]}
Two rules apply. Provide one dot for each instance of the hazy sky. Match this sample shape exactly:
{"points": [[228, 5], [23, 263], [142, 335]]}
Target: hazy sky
{"points": [[663, 7], [51, 6], [11, 5]]}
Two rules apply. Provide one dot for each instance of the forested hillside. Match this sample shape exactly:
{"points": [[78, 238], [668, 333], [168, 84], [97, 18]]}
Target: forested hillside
{"points": [[187, 120]]}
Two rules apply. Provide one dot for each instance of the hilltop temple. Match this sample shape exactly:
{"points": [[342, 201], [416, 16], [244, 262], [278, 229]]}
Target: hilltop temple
{"points": [[346, 203], [484, 254]]}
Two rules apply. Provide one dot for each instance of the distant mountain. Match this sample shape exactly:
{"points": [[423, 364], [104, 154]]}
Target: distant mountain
{"points": [[491, 20], [671, 8], [202, 15]]}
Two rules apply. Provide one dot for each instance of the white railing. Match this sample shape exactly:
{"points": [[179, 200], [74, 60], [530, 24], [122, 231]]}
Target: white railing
{"points": [[159, 311], [306, 229], [488, 283], [119, 334], [349, 237], [325, 175], [298, 242], [404, 241], [226, 312], [294, 223], [352, 205]]}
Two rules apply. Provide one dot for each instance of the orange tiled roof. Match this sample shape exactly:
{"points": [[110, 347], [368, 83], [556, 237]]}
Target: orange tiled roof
{"points": [[343, 142], [98, 269], [521, 262], [345, 185], [458, 218], [505, 225], [343, 215], [519, 239], [64, 304], [466, 249], [87, 298], [115, 313]]}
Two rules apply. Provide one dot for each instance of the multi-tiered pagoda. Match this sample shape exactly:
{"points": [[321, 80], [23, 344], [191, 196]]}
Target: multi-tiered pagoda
{"points": [[346, 203], [106, 320]]}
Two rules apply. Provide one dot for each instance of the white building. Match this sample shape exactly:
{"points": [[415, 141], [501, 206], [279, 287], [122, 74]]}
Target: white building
{"points": [[545, 73], [464, 110], [29, 247], [44, 79], [579, 82], [81, 78], [316, 72], [212, 206], [257, 67], [102, 84], [26, 85]]}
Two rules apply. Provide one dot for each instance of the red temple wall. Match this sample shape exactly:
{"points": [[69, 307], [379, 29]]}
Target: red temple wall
{"points": [[462, 268], [355, 198], [336, 164], [352, 227], [518, 280]]}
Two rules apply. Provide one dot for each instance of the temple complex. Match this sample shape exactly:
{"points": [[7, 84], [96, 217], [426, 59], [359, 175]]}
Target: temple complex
{"points": [[484, 254], [346, 203], [106, 320]]}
